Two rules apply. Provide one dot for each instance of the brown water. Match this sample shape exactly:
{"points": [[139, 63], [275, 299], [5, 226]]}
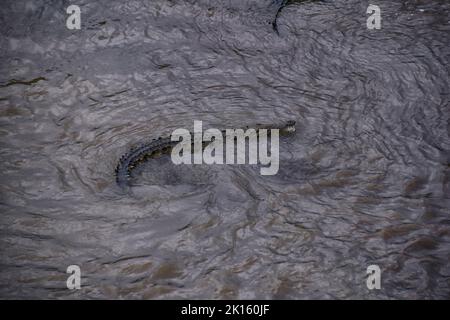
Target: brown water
{"points": [[365, 179]]}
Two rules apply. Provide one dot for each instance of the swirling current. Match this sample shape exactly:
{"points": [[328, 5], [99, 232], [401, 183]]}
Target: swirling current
{"points": [[365, 180]]}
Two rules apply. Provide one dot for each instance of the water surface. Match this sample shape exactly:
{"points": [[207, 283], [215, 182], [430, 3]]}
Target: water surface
{"points": [[365, 179]]}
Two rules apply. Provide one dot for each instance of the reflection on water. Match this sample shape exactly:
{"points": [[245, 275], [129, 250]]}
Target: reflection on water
{"points": [[365, 179]]}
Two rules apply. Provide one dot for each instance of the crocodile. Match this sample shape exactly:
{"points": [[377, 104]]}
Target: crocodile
{"points": [[163, 146]]}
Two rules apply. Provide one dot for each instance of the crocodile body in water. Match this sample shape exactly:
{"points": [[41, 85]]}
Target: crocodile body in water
{"points": [[162, 146]]}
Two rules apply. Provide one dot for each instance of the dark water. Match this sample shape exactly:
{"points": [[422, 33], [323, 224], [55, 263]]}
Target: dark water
{"points": [[365, 180]]}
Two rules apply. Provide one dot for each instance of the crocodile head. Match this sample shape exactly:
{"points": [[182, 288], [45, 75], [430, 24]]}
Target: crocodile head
{"points": [[288, 128]]}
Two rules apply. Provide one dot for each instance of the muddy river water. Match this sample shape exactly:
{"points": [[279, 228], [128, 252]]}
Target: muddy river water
{"points": [[365, 180]]}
